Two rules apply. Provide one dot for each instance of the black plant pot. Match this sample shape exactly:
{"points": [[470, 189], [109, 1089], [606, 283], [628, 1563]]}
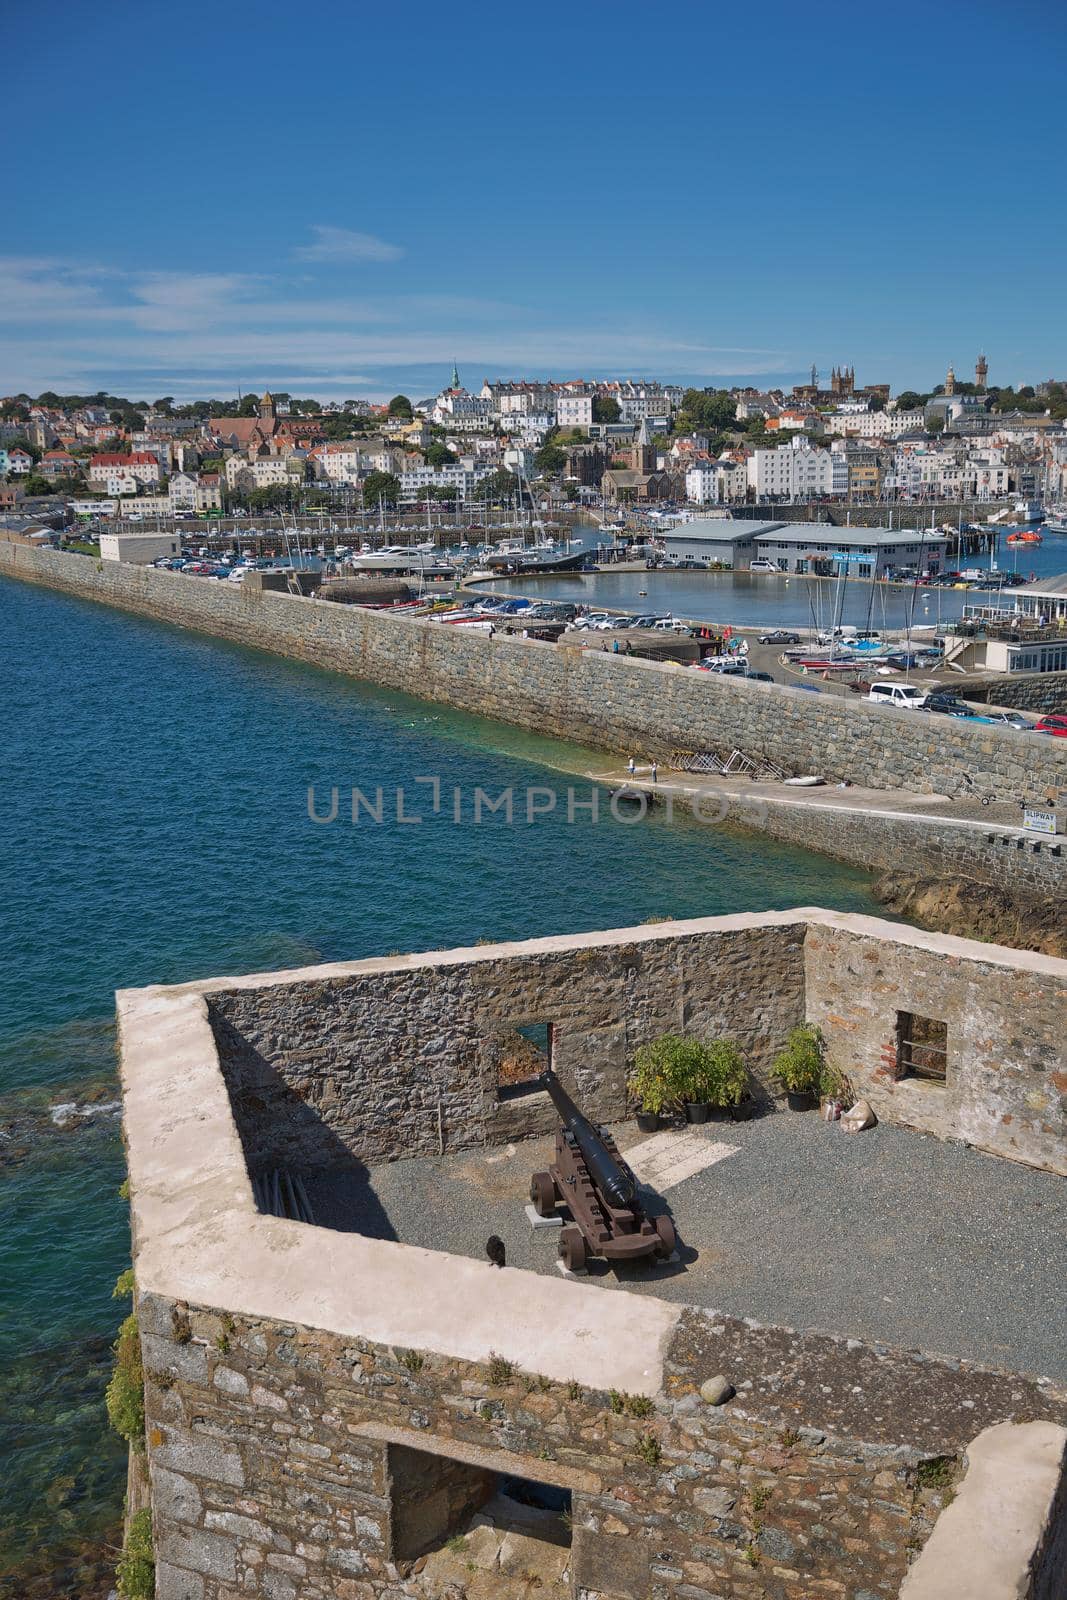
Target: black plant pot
{"points": [[744, 1110], [799, 1101], [697, 1111], [648, 1121]]}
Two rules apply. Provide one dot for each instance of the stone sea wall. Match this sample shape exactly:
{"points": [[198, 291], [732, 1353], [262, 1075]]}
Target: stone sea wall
{"points": [[281, 1457], [1026, 691], [619, 703]]}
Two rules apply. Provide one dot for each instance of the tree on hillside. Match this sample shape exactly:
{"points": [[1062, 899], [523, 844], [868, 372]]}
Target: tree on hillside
{"points": [[499, 485], [249, 406], [606, 408], [550, 458], [400, 406], [704, 409], [381, 486], [910, 400], [439, 455]]}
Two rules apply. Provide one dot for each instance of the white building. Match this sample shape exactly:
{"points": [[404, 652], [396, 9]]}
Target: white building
{"points": [[519, 399], [141, 549], [874, 424], [455, 408], [793, 471], [463, 476], [269, 472], [702, 484], [124, 474], [574, 410]]}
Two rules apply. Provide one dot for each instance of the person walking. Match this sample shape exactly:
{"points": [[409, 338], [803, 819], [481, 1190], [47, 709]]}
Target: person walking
{"points": [[631, 767], [655, 770]]}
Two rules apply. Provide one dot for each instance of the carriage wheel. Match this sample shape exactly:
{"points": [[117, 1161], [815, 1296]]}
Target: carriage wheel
{"points": [[667, 1237], [543, 1194], [572, 1249]]}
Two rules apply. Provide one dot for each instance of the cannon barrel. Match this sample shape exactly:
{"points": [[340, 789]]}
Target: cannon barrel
{"points": [[615, 1183]]}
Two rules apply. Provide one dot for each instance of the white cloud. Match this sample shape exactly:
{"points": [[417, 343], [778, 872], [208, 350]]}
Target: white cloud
{"points": [[341, 244], [76, 326]]}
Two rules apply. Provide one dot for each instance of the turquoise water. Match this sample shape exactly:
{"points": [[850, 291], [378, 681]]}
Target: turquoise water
{"points": [[156, 829]]}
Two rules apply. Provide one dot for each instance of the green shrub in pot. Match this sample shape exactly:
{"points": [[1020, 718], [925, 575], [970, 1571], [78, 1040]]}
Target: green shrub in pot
{"points": [[800, 1067]]}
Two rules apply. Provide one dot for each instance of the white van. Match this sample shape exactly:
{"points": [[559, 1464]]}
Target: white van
{"points": [[898, 694]]}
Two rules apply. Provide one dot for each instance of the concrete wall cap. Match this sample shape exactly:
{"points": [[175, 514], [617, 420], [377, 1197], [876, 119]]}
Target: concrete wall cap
{"points": [[984, 1544]]}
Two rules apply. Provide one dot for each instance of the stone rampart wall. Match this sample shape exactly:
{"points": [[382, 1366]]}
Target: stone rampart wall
{"points": [[269, 1450], [374, 1066], [617, 702], [1006, 1088]]}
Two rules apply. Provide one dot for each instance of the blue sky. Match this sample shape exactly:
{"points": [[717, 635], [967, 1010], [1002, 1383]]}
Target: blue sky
{"points": [[337, 201]]}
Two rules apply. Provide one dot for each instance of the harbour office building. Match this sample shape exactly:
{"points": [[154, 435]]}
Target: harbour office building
{"points": [[807, 547]]}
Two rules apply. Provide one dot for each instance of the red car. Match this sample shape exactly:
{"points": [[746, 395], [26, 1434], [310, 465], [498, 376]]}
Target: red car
{"points": [[1055, 725]]}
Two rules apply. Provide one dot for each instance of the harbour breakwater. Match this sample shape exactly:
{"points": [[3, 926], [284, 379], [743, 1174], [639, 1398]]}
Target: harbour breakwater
{"points": [[624, 704]]}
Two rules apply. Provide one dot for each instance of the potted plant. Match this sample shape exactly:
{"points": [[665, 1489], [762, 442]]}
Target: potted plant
{"points": [[800, 1068], [712, 1078], [651, 1080]]}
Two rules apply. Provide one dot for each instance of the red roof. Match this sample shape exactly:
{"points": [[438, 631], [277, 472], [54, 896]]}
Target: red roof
{"points": [[139, 458]]}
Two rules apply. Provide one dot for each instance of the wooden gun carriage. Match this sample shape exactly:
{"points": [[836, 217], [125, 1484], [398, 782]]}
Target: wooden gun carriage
{"points": [[592, 1180]]}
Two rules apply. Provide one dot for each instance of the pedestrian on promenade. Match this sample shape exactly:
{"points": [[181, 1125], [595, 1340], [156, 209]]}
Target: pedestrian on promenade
{"points": [[655, 771], [631, 766]]}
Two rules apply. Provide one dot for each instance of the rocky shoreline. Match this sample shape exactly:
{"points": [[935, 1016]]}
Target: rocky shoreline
{"points": [[974, 910]]}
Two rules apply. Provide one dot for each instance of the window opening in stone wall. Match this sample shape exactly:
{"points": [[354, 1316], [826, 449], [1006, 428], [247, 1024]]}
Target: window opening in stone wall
{"points": [[922, 1047], [463, 1523], [524, 1055]]}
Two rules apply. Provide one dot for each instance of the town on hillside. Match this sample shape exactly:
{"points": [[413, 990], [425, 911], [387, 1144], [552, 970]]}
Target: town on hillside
{"points": [[616, 444]]}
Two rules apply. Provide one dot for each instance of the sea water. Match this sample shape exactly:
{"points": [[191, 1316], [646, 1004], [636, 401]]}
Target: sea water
{"points": [[156, 829]]}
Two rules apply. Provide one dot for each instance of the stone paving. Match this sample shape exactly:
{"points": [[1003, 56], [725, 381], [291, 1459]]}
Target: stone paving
{"points": [[887, 1235]]}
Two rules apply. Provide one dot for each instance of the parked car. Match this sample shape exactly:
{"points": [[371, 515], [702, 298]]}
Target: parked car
{"points": [[904, 695], [779, 636], [948, 705], [902, 660], [1009, 719], [1056, 725], [762, 677]]}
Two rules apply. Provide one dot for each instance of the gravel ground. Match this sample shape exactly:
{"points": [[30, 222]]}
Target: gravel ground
{"points": [[886, 1235]]}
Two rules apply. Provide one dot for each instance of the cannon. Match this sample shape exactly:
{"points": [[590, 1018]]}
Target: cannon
{"points": [[592, 1180]]}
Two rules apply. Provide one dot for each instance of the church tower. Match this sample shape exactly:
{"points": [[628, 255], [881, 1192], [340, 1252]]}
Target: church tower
{"points": [[950, 382], [455, 384], [266, 407], [981, 373]]}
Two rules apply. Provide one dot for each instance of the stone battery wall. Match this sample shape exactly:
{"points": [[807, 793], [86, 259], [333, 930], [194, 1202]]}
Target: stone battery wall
{"points": [[290, 1369], [1006, 1089], [273, 1456], [617, 702], [372, 1065]]}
